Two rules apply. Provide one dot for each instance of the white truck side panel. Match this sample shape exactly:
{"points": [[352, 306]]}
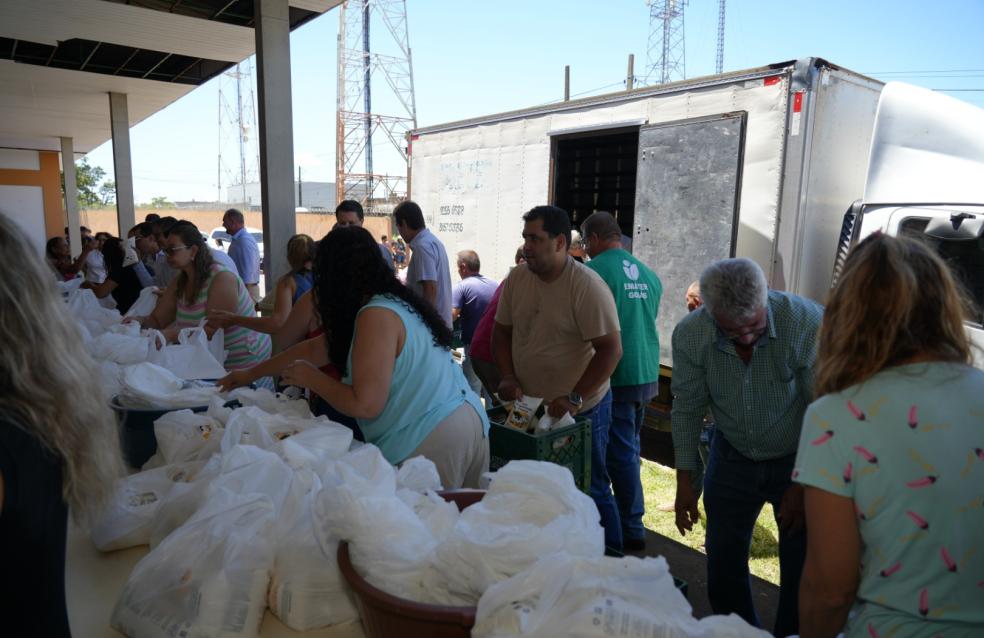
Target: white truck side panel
{"points": [[826, 164], [475, 182]]}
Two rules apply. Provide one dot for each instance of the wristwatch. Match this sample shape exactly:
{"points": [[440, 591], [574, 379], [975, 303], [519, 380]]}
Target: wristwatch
{"points": [[575, 399]]}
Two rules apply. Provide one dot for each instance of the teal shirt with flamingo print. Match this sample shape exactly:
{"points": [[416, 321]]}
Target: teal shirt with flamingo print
{"points": [[907, 446]]}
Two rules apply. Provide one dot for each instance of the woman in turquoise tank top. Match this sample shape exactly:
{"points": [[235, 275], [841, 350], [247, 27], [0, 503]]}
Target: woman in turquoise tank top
{"points": [[399, 382]]}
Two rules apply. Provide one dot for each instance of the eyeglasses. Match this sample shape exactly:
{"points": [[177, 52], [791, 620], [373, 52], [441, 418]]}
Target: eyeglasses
{"points": [[755, 330], [752, 332], [174, 249]]}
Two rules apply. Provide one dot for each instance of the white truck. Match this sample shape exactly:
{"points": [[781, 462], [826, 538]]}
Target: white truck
{"points": [[760, 163]]}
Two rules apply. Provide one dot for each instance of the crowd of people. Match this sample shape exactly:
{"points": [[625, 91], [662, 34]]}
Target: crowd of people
{"points": [[859, 422]]}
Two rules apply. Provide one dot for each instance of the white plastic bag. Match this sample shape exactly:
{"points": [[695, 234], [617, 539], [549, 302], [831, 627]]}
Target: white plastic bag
{"points": [[145, 303], [243, 469], [184, 435], [66, 288], [207, 580], [197, 336], [123, 347], [563, 595], [127, 519], [254, 426], [389, 546], [110, 379], [532, 509], [150, 385], [314, 448], [273, 403], [438, 515], [84, 307], [307, 590], [418, 474], [194, 356]]}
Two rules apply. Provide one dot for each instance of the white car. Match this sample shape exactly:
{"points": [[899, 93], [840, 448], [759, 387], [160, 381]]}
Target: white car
{"points": [[220, 239]]}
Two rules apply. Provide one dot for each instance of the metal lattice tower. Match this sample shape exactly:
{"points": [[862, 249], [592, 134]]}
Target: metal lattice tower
{"points": [[719, 61], [239, 152], [370, 146], [666, 53]]}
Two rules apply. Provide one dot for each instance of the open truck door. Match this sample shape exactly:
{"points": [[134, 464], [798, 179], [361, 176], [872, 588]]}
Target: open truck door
{"points": [[688, 189]]}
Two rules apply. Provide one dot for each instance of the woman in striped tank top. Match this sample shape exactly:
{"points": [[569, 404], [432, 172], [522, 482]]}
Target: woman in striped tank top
{"points": [[201, 286]]}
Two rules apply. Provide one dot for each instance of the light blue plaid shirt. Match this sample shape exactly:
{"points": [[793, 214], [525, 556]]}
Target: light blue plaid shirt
{"points": [[758, 407], [245, 253]]}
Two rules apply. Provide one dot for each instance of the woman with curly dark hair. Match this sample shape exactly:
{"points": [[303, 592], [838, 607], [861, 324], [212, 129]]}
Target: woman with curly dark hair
{"points": [[399, 381]]}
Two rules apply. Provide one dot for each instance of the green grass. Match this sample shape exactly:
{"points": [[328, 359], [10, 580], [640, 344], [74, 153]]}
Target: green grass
{"points": [[659, 486]]}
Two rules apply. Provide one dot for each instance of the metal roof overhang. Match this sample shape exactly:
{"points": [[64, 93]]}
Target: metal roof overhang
{"points": [[60, 58]]}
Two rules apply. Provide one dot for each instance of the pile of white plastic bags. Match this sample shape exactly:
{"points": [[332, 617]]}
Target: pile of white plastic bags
{"points": [[118, 348]]}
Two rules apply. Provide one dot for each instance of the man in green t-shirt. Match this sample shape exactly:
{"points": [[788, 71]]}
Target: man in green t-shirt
{"points": [[636, 290]]}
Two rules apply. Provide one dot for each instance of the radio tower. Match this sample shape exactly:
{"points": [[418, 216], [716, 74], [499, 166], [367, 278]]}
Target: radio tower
{"points": [[719, 62], [666, 53], [237, 121], [371, 128]]}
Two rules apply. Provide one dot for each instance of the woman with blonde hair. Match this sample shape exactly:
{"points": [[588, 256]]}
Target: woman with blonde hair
{"points": [[203, 285], [59, 448], [891, 455], [290, 288]]}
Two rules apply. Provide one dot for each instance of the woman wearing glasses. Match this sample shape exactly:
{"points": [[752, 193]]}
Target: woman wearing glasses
{"points": [[204, 286]]}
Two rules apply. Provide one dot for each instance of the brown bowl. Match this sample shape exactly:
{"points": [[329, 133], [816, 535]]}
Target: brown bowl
{"points": [[386, 616]]}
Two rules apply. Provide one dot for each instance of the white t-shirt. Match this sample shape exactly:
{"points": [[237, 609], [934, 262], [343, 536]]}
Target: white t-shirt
{"points": [[95, 267]]}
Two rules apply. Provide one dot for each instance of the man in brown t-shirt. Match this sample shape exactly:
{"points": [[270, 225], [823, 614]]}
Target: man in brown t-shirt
{"points": [[556, 336]]}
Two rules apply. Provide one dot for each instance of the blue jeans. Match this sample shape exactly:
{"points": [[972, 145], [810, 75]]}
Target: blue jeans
{"points": [[601, 490], [622, 461], [735, 490]]}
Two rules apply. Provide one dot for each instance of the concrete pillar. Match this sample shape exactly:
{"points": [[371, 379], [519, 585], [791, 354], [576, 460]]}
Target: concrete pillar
{"points": [[71, 195], [122, 166], [276, 132]]}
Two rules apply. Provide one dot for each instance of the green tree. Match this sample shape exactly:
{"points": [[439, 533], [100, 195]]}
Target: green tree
{"points": [[107, 192], [161, 202], [87, 180]]}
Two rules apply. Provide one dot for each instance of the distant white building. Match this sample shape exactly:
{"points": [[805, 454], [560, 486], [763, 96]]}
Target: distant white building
{"points": [[310, 195]]}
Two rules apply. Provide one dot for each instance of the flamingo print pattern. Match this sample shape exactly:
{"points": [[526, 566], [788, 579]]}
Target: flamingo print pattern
{"points": [[906, 448]]}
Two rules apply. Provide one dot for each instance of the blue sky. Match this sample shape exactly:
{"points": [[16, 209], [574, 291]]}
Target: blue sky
{"points": [[473, 58]]}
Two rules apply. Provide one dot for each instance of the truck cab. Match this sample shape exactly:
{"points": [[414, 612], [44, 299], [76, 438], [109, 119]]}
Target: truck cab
{"points": [[924, 181]]}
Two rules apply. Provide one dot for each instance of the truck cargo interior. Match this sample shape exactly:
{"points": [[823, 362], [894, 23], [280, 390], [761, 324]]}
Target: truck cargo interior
{"points": [[596, 171]]}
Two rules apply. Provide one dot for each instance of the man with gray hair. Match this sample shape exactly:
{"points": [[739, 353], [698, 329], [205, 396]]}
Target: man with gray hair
{"points": [[748, 355]]}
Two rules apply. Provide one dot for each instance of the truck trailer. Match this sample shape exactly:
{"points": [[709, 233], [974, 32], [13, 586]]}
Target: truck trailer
{"points": [[770, 163]]}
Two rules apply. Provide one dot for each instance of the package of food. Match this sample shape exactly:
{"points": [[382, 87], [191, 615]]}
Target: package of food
{"points": [[522, 412]]}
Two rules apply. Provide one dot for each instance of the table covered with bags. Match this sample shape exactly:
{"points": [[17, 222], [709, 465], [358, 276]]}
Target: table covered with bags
{"points": [[231, 524], [94, 580]]}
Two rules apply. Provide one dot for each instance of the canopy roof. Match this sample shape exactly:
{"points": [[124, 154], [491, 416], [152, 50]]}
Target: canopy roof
{"points": [[60, 58]]}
